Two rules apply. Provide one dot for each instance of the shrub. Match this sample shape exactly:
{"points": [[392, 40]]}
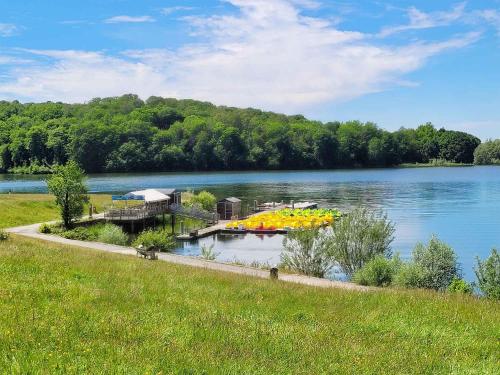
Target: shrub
{"points": [[358, 237], [78, 233], [488, 275], [438, 262], [161, 240], [208, 253], [112, 234], [379, 271], [205, 200], [45, 228], [458, 285], [409, 275], [3, 235], [305, 251]]}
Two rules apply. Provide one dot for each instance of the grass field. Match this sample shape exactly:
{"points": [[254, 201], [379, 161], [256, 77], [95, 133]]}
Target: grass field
{"points": [[22, 209], [69, 310]]}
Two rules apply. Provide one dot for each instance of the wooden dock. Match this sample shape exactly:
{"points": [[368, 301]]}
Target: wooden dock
{"points": [[205, 232], [221, 225]]}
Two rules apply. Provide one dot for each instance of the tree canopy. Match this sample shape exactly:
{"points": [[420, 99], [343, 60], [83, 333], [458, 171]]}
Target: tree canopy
{"points": [[124, 134], [68, 186]]}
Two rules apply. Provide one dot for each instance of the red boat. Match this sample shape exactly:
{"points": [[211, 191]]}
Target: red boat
{"points": [[262, 230]]}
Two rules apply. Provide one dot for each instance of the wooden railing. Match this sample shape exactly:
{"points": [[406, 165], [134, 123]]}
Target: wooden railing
{"points": [[194, 212], [136, 213]]}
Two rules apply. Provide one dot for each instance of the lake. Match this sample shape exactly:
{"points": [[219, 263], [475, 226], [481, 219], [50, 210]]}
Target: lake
{"points": [[460, 205]]}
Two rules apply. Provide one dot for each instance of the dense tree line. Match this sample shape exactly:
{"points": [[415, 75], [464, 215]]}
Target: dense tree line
{"points": [[128, 134]]}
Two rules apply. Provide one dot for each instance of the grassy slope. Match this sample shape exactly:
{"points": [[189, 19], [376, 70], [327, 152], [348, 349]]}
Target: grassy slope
{"points": [[71, 310], [21, 209]]}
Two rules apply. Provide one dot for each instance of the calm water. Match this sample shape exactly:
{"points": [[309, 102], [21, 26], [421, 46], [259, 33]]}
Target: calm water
{"points": [[461, 205]]}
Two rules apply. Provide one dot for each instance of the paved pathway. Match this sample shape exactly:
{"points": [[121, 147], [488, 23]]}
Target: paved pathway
{"points": [[31, 231]]}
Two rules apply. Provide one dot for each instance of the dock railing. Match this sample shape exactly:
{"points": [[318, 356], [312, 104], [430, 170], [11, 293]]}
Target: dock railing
{"points": [[194, 212], [141, 212]]}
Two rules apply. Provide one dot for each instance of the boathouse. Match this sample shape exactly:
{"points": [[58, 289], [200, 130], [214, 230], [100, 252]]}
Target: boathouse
{"points": [[145, 204], [229, 208]]}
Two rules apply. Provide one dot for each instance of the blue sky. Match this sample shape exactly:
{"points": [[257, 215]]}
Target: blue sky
{"points": [[397, 63]]}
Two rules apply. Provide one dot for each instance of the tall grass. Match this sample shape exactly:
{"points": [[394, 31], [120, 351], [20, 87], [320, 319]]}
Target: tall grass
{"points": [[69, 310]]}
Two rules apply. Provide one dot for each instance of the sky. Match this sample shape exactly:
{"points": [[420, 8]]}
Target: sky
{"points": [[396, 63]]}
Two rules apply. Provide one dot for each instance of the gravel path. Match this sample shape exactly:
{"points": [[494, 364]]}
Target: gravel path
{"points": [[31, 231]]}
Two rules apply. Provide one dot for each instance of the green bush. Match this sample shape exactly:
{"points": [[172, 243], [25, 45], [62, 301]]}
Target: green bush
{"points": [[305, 251], [409, 275], [162, 240], [458, 285], [78, 233], [208, 253], [45, 228], [3, 235], [488, 275], [439, 263], [358, 237], [379, 271], [112, 234], [203, 200]]}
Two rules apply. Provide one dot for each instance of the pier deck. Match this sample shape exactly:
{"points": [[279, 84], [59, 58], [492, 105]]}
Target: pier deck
{"points": [[221, 225]]}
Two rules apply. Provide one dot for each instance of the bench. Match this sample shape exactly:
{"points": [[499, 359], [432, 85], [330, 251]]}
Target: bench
{"points": [[147, 253]]}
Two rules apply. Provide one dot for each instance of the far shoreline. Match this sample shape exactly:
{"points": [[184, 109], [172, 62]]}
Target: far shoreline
{"points": [[353, 168]]}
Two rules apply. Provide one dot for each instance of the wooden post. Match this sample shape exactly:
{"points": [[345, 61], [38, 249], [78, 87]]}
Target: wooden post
{"points": [[292, 203], [273, 273], [172, 223]]}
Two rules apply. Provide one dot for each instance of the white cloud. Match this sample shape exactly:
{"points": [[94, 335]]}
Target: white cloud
{"points": [[77, 76], [491, 16], [421, 20], [168, 11], [129, 19], [267, 55], [8, 29]]}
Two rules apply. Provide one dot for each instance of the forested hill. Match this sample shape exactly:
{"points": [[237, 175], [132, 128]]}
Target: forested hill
{"points": [[127, 134]]}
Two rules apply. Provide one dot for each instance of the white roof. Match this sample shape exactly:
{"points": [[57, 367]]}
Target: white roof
{"points": [[151, 195]]}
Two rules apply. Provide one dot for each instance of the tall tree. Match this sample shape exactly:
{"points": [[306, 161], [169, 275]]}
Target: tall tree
{"points": [[68, 186]]}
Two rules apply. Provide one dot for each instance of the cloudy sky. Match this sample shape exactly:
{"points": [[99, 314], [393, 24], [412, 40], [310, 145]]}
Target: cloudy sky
{"points": [[398, 63]]}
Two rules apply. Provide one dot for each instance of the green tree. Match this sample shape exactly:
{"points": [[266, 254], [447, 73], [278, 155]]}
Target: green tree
{"points": [[359, 237], [488, 275], [487, 153], [68, 186], [456, 146]]}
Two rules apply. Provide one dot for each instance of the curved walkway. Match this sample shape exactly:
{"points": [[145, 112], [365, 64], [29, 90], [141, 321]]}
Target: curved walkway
{"points": [[31, 231]]}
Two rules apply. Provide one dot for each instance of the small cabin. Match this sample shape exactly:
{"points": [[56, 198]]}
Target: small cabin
{"points": [[229, 208], [173, 194]]}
